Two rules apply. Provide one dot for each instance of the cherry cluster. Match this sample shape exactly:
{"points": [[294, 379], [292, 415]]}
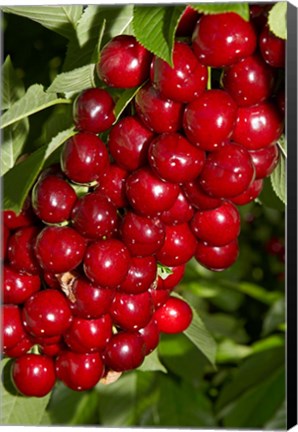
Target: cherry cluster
{"points": [[89, 271]]}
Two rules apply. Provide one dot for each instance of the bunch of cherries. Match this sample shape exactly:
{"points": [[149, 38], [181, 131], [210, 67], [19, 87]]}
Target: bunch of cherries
{"points": [[84, 292]]}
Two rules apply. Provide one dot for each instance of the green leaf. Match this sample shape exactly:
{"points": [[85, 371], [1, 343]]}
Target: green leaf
{"points": [[27, 172], [152, 363], [270, 342], [12, 87], [229, 351], [274, 316], [257, 292], [73, 81], [124, 100], [277, 19], [269, 198], [61, 19], [34, 100], [155, 26], [241, 9], [17, 409], [278, 179], [279, 419]]}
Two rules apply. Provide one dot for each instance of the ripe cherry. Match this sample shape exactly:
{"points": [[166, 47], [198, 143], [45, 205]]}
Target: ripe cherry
{"points": [[21, 348], [180, 212], [12, 329], [18, 287], [223, 39], [5, 237], [25, 218], [174, 159], [251, 193], [21, 254], [208, 121], [273, 48], [148, 194], [174, 316], [217, 258], [84, 158], [265, 160], [59, 249], [187, 22], [159, 296], [123, 62], [198, 198], [107, 262], [46, 313], [33, 375], [140, 276], [150, 334], [173, 279], [112, 185], [93, 110]]}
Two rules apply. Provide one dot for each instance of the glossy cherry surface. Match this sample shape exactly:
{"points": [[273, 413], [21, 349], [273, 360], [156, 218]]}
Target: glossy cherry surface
{"points": [[124, 62], [228, 171], [46, 313], [59, 249], [180, 212], [20, 253], [198, 198], [208, 121], [5, 236], [219, 226], [112, 185], [150, 334], [26, 216], [84, 158], [174, 316], [223, 39], [179, 245], [174, 159], [159, 296], [79, 371], [21, 348], [128, 142], [107, 262], [172, 279], [273, 48], [33, 375], [187, 22], [148, 194], [217, 258], [141, 274], [158, 113], [94, 216], [250, 194], [258, 126], [265, 160], [93, 110], [143, 236], [249, 81], [18, 287], [12, 329], [183, 82], [125, 351]]}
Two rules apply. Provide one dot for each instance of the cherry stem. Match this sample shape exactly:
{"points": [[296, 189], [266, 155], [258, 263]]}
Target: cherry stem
{"points": [[209, 84]]}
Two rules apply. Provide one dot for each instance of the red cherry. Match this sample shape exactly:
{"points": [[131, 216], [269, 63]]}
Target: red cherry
{"points": [[51, 280], [79, 371], [209, 120], [265, 160], [150, 334], [93, 110], [107, 262], [141, 274], [33, 375], [52, 350], [258, 126], [12, 329], [18, 287], [46, 313], [112, 185], [148, 194], [173, 279], [273, 48], [250, 194], [198, 198], [59, 249], [21, 254], [174, 316], [25, 218], [5, 238], [180, 212], [21, 348], [159, 296], [217, 258], [223, 39], [125, 351], [187, 22]]}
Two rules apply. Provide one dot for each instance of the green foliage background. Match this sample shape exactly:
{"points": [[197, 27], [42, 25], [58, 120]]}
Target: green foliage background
{"points": [[242, 308]]}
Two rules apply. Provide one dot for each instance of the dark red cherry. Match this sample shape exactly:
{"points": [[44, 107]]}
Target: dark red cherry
{"points": [[18, 287], [150, 334], [250, 81], [198, 198], [273, 48], [93, 111], [159, 296], [172, 279], [251, 193], [174, 316], [59, 249], [179, 245], [258, 14], [148, 194], [51, 280], [258, 126], [52, 350], [33, 375], [124, 62], [79, 371], [281, 100], [84, 158], [174, 159], [131, 311], [91, 301], [94, 216], [107, 262], [5, 238], [89, 335], [265, 160], [53, 199], [46, 313], [208, 121], [217, 258], [223, 39], [21, 254], [187, 22], [141, 274], [228, 171], [219, 226], [143, 236], [158, 113], [21, 348], [183, 82], [128, 142], [125, 351], [180, 212], [112, 185], [25, 218], [12, 328]]}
